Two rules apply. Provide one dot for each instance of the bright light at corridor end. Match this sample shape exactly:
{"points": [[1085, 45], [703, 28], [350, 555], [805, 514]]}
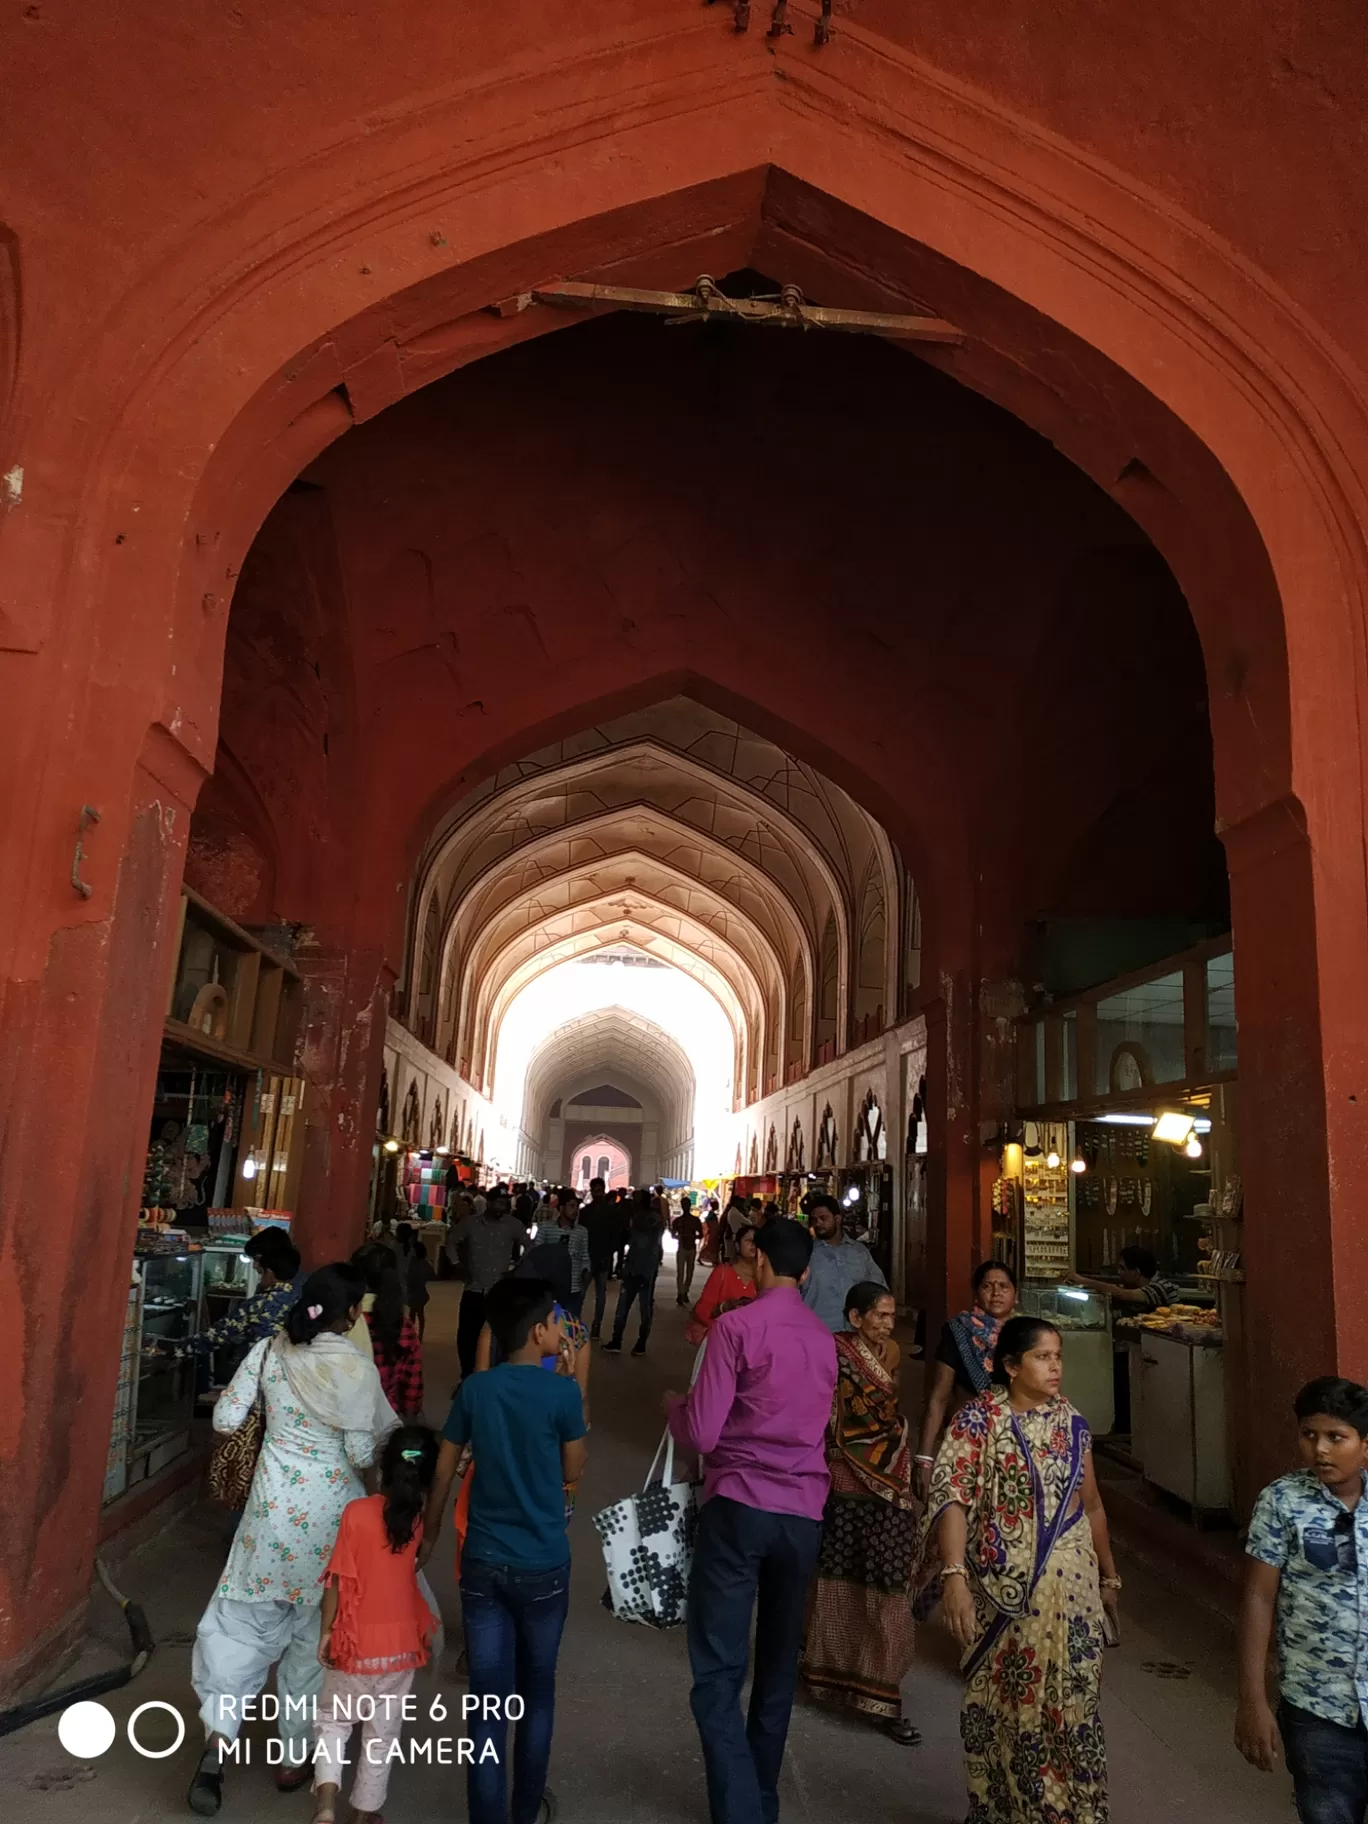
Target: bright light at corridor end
{"points": [[680, 1006]]}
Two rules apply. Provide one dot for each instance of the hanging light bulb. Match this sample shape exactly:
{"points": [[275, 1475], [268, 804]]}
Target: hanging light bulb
{"points": [[391, 1146], [1052, 1160], [1078, 1163], [249, 1167], [1193, 1149]]}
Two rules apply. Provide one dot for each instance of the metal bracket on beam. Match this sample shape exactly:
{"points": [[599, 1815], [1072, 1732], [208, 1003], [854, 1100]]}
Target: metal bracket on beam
{"points": [[706, 303]]}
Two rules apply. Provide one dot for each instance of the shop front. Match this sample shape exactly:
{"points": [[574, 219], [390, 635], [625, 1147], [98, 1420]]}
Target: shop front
{"points": [[223, 1157], [1119, 1205]]}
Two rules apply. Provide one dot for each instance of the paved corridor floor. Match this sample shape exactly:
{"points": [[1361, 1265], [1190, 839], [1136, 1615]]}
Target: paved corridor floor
{"points": [[626, 1751]]}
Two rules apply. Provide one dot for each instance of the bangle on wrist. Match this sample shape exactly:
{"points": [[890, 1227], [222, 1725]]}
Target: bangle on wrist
{"points": [[953, 1570], [1109, 1583], [930, 1460]]}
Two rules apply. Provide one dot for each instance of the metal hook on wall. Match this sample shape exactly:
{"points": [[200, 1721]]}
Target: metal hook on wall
{"points": [[89, 815]]}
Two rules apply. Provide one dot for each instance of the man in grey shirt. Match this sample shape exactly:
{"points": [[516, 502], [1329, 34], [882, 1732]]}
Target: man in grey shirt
{"points": [[491, 1239], [838, 1263]]}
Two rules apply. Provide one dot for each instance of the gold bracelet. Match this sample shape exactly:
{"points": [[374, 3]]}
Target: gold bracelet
{"points": [[1109, 1583], [954, 1570]]}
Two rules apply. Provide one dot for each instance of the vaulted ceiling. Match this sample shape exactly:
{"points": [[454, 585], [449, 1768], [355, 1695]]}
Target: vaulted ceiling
{"points": [[676, 833]]}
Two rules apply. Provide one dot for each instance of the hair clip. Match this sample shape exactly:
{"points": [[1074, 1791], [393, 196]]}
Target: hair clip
{"points": [[411, 1456], [315, 1310]]}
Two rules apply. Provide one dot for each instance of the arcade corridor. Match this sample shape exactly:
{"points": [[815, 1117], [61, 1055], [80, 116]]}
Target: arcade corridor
{"points": [[853, 513], [626, 1751]]}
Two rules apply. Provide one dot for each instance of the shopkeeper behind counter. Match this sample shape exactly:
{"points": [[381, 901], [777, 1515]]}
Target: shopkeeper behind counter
{"points": [[1141, 1286]]}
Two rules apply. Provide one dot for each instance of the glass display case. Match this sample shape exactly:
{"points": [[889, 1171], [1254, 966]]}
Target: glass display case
{"points": [[1067, 1307], [229, 1277], [164, 1399], [1083, 1319]]}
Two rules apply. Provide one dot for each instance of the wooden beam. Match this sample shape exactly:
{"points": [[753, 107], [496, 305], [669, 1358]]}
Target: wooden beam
{"points": [[706, 302]]}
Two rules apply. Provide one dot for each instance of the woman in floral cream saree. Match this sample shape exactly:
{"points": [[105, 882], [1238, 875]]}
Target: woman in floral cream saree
{"points": [[1029, 1587]]}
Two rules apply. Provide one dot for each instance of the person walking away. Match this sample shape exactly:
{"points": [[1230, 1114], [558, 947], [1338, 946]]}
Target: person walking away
{"points": [[526, 1431], [838, 1263], [688, 1232], [1026, 1576], [395, 1345], [964, 1358], [726, 1287], [709, 1252], [625, 1202], [735, 1217], [860, 1634], [577, 1240], [326, 1418], [599, 1220], [416, 1275], [492, 1238], [1307, 1547], [375, 1627], [641, 1266], [757, 1414]]}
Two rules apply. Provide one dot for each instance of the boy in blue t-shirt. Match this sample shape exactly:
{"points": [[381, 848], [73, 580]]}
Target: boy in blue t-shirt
{"points": [[1308, 1570], [525, 1429]]}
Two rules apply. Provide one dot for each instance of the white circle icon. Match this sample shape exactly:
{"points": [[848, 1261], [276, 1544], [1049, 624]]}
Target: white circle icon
{"points": [[156, 1754], [86, 1731]]}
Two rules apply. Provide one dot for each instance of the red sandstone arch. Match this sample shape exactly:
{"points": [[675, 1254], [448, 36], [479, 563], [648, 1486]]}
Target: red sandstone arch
{"points": [[1238, 446]]}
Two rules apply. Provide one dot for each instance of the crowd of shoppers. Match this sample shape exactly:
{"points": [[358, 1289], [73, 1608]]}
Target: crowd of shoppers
{"points": [[821, 1535]]}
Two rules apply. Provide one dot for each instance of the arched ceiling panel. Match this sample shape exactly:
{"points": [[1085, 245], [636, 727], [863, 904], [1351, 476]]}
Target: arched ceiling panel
{"points": [[615, 936], [635, 887], [612, 1041], [673, 829]]}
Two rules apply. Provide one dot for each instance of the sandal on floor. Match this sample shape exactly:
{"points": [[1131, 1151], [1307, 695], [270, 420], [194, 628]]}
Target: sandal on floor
{"points": [[290, 1779], [205, 1797], [903, 1733]]}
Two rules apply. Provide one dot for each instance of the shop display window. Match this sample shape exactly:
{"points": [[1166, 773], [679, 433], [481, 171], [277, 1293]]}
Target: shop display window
{"points": [[1220, 1013], [1068, 1059], [1141, 1031]]}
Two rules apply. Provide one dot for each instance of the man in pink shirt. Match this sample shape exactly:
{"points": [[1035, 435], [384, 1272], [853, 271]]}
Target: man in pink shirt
{"points": [[758, 1415]]}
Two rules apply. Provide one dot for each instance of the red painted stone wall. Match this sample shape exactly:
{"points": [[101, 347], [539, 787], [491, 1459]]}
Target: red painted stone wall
{"points": [[1150, 225]]}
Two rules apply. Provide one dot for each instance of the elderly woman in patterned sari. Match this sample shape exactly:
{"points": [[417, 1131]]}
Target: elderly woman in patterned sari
{"points": [[860, 1632], [1029, 1589], [964, 1358]]}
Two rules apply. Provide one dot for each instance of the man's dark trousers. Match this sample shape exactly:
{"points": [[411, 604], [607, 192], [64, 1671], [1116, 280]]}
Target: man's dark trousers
{"points": [[746, 1556]]}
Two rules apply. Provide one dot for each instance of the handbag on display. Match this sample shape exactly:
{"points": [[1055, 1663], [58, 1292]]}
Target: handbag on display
{"points": [[233, 1464], [648, 1543]]}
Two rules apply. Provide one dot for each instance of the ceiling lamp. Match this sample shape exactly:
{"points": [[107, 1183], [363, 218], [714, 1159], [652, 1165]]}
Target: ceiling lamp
{"points": [[1176, 1129]]}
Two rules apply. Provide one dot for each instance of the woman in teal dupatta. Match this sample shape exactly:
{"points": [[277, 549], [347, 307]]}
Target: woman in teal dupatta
{"points": [[1026, 1574]]}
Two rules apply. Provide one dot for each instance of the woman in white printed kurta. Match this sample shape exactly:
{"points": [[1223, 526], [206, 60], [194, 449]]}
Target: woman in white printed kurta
{"points": [[326, 1417], [306, 1474]]}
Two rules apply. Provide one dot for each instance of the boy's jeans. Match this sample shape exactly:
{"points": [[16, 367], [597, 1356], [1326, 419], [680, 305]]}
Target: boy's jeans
{"points": [[513, 1624], [1329, 1767]]}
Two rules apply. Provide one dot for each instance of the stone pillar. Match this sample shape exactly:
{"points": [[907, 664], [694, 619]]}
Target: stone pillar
{"points": [[78, 1059], [952, 1140], [341, 1054], [1301, 991]]}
